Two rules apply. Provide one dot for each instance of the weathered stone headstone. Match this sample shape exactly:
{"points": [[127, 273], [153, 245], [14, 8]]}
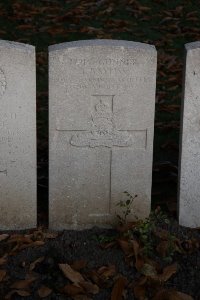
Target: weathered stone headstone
{"points": [[102, 98], [17, 136], [189, 170]]}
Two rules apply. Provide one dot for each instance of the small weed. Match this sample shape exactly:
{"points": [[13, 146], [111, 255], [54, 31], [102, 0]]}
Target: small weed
{"points": [[158, 217], [170, 250], [145, 230], [126, 208], [102, 239]]}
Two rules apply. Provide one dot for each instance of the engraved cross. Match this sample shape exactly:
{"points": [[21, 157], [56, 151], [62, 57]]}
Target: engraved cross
{"points": [[104, 132]]}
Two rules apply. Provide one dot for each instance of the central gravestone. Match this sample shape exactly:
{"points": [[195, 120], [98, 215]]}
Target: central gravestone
{"points": [[101, 117]]}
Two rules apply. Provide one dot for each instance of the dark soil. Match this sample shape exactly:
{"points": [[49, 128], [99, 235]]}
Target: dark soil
{"points": [[71, 246]]}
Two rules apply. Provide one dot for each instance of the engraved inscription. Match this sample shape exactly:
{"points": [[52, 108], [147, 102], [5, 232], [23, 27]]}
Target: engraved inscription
{"points": [[7, 134], [102, 62], [3, 168], [103, 131], [3, 83], [6, 139], [104, 71], [4, 172], [104, 83]]}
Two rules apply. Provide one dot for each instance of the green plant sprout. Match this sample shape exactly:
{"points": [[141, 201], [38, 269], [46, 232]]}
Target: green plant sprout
{"points": [[145, 229], [126, 207]]}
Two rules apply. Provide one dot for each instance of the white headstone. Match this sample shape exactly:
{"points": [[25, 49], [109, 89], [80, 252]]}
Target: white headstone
{"points": [[101, 118], [189, 162], [17, 136]]}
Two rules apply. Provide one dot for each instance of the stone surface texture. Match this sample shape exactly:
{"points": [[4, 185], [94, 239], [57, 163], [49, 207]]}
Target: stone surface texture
{"points": [[189, 160], [17, 136], [101, 120]]}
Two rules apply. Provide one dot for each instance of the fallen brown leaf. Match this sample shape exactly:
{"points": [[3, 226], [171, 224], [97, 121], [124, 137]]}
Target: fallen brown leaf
{"points": [[139, 288], [118, 288], [32, 244], [78, 265], [40, 235], [3, 237], [18, 292], [161, 233], [37, 261], [136, 247], [168, 272], [95, 277], [3, 260], [72, 290], [165, 294], [72, 275], [44, 291], [106, 272], [183, 296], [126, 247], [108, 245], [139, 263], [89, 287], [37, 235], [22, 284], [2, 274], [140, 292], [162, 248], [26, 27], [18, 238], [162, 294], [125, 227]]}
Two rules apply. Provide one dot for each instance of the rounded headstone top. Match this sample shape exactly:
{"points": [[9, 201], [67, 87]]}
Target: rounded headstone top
{"points": [[16, 45], [102, 42], [193, 45]]}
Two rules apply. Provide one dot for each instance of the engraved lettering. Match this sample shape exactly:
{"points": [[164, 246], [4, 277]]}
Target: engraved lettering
{"points": [[104, 71], [123, 82], [6, 139], [3, 83], [4, 172], [7, 135], [103, 62], [3, 168]]}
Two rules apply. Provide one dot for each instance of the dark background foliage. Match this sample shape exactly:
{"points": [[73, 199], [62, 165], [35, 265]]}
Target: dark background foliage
{"points": [[166, 24]]}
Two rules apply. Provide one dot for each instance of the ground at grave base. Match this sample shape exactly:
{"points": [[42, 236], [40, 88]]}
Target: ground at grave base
{"points": [[155, 259]]}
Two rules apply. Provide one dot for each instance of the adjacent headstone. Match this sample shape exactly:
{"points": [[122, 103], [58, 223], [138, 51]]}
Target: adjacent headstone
{"points": [[101, 118], [189, 172], [17, 136]]}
